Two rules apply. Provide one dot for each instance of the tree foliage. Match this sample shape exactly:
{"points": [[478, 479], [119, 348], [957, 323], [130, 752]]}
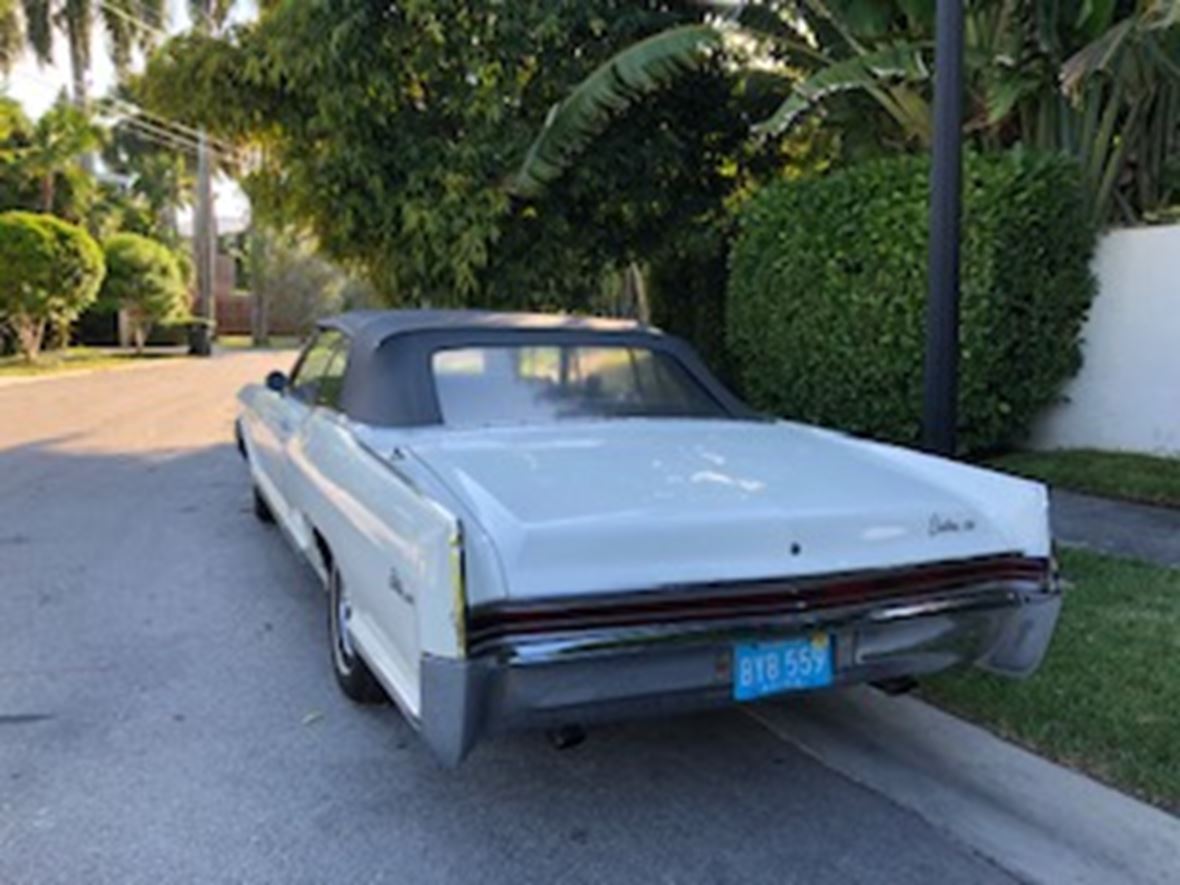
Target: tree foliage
{"points": [[50, 271], [827, 295], [144, 279], [41, 166], [388, 131], [78, 271], [26, 265], [637, 71], [155, 180], [288, 275], [1097, 80], [11, 34]]}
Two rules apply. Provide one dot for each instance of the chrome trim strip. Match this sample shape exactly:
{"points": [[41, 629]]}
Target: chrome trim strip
{"points": [[763, 601], [557, 646]]}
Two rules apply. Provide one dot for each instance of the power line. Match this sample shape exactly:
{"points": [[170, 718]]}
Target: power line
{"points": [[189, 142], [134, 125], [183, 147], [130, 107], [126, 118], [129, 111]]}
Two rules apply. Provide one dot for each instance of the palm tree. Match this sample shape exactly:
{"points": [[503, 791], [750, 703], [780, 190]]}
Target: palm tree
{"points": [[11, 36], [43, 154], [128, 24], [1064, 75], [62, 136]]}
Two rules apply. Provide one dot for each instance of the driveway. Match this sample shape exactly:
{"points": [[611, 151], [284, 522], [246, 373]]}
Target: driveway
{"points": [[167, 711]]}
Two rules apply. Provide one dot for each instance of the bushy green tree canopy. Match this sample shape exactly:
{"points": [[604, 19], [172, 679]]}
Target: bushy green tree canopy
{"points": [[78, 268], [50, 271], [389, 130], [145, 279], [26, 259]]}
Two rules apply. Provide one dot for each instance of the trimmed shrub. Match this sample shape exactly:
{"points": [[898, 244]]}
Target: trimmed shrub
{"points": [[26, 265], [78, 268], [144, 278], [50, 270], [827, 295]]}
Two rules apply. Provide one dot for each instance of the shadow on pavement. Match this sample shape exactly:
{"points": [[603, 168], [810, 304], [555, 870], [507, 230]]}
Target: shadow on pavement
{"points": [[171, 716]]}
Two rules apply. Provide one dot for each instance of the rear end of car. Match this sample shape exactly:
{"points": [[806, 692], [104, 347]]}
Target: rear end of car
{"points": [[548, 663], [625, 539]]}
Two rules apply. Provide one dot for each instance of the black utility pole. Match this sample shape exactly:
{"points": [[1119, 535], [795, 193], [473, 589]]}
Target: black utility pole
{"points": [[941, 377]]}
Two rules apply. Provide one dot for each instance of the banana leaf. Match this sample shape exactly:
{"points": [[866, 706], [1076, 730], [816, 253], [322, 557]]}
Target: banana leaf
{"points": [[637, 71]]}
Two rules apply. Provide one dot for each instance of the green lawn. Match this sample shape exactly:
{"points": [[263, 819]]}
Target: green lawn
{"points": [[244, 342], [1145, 478], [1107, 699], [72, 360]]}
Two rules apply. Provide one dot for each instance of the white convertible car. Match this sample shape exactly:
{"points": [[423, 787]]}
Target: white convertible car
{"points": [[527, 520]]}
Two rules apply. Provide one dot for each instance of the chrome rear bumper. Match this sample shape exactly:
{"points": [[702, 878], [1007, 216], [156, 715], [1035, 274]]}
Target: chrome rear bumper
{"points": [[639, 670]]}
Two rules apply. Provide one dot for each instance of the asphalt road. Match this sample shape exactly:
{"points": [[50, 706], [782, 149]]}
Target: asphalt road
{"points": [[167, 712]]}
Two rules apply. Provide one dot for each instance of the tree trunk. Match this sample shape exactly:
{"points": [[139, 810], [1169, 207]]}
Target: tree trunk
{"points": [[29, 332], [260, 306], [261, 317], [78, 63], [61, 333], [139, 334], [47, 192], [77, 67], [635, 302]]}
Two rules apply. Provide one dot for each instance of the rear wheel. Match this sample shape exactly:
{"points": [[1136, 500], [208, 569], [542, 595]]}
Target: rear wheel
{"points": [[352, 674], [261, 508]]}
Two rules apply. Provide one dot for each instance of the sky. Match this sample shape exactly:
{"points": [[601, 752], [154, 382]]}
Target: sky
{"points": [[36, 87]]}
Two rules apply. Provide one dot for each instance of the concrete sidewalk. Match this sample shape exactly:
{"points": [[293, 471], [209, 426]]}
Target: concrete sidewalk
{"points": [[1035, 819], [1135, 530]]}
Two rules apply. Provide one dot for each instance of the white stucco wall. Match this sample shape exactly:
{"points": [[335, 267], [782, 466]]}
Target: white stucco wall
{"points": [[1127, 395]]}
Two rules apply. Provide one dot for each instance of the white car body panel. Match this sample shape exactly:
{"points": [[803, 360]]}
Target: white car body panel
{"points": [[590, 507], [380, 529]]}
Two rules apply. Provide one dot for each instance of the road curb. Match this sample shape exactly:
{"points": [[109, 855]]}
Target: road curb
{"points": [[1035, 819]]}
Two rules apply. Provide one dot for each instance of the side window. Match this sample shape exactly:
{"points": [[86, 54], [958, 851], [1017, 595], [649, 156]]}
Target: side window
{"points": [[332, 381], [305, 380]]}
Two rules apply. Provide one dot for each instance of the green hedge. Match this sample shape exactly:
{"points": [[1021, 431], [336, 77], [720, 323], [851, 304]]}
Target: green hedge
{"points": [[827, 294]]}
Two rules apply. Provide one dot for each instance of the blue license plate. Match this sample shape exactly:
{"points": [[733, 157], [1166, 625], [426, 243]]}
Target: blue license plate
{"points": [[765, 668]]}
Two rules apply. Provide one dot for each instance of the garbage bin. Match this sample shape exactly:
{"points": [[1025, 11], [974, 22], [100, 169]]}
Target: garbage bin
{"points": [[200, 337]]}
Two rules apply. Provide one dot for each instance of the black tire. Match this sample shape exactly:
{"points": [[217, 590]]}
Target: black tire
{"points": [[352, 673], [239, 440], [261, 508]]}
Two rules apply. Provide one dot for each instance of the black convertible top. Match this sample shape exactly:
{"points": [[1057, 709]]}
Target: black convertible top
{"points": [[388, 381]]}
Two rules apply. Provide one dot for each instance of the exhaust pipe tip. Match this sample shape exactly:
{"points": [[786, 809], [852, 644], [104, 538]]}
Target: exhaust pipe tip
{"points": [[565, 737], [896, 686]]}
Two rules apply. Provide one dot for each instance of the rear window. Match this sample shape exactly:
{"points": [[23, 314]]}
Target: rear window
{"points": [[531, 384]]}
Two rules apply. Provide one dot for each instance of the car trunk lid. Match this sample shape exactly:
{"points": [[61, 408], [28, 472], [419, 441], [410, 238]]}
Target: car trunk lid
{"points": [[608, 506]]}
